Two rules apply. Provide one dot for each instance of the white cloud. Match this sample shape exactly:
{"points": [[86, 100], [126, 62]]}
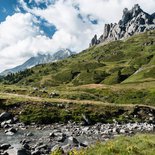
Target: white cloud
{"points": [[20, 38]]}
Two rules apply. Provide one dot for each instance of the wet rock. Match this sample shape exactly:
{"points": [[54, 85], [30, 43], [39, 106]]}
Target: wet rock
{"points": [[36, 152], [122, 131], [12, 130], [18, 151], [44, 146], [85, 129], [24, 141], [72, 141], [4, 146], [84, 144], [26, 146], [9, 133], [61, 138], [86, 120], [5, 116], [4, 153], [29, 134]]}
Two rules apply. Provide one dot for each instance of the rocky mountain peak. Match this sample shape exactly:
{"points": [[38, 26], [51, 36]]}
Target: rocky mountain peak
{"points": [[130, 14], [39, 59], [133, 21], [136, 10]]}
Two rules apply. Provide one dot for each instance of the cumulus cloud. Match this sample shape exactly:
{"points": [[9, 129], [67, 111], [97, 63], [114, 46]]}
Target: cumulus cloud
{"points": [[21, 37]]}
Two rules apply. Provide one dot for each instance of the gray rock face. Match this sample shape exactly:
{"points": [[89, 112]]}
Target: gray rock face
{"points": [[94, 41], [133, 21]]}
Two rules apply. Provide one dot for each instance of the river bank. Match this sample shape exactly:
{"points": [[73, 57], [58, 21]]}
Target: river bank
{"points": [[18, 138]]}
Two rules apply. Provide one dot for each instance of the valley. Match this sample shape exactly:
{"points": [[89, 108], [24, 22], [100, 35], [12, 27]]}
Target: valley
{"points": [[99, 101]]}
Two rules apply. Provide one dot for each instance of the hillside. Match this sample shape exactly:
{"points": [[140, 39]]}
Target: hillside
{"points": [[126, 61]]}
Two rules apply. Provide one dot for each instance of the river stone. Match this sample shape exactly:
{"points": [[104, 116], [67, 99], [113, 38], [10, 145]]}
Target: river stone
{"points": [[29, 134], [4, 153], [18, 151], [9, 133], [72, 141], [85, 129], [84, 144], [122, 131], [5, 116], [36, 152], [12, 130], [44, 146], [86, 120], [26, 146], [4, 146]]}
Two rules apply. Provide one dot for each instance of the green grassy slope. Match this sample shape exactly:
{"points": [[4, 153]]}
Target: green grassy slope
{"points": [[129, 61]]}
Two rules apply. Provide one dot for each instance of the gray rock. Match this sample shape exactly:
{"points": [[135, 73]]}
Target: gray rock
{"points": [[122, 131], [72, 141], [133, 21], [4, 146], [26, 146], [84, 144], [61, 138], [18, 151], [86, 120], [44, 146], [5, 116], [12, 130], [4, 153], [94, 41], [85, 129], [9, 133], [29, 134], [36, 152]]}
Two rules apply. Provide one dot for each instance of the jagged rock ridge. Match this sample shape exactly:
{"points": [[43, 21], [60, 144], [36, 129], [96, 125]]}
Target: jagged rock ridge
{"points": [[133, 21], [39, 59]]}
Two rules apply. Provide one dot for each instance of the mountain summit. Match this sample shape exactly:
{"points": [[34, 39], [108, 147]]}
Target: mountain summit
{"points": [[39, 59], [133, 21]]}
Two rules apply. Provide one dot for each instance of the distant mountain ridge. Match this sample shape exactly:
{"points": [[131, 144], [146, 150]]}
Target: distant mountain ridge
{"points": [[39, 59], [133, 21]]}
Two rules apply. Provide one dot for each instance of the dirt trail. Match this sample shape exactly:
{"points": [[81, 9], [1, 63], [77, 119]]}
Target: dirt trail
{"points": [[61, 100]]}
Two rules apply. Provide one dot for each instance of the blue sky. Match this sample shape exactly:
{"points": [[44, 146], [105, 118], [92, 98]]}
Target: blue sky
{"points": [[7, 7], [29, 27]]}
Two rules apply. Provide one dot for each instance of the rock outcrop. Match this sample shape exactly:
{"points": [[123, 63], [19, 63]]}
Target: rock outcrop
{"points": [[133, 21]]}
